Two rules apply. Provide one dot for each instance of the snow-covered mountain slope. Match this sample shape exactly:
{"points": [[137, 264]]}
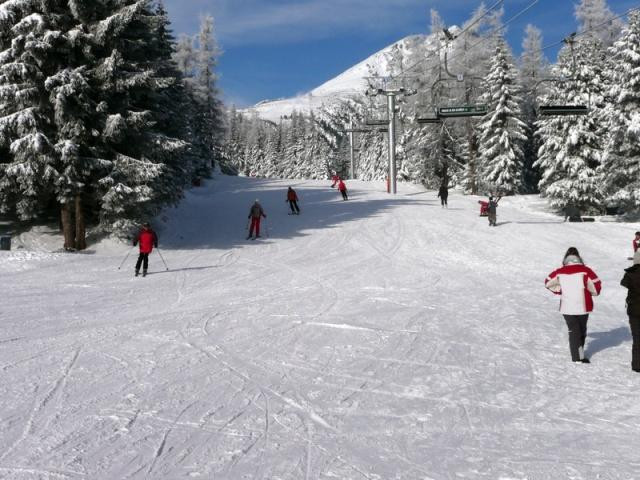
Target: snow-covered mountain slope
{"points": [[379, 338], [350, 83]]}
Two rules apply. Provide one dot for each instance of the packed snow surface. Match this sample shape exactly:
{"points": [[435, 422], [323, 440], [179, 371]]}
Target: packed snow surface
{"points": [[382, 338]]}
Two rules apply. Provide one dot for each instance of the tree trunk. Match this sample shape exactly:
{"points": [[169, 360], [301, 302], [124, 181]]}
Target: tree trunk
{"points": [[67, 227], [81, 239]]}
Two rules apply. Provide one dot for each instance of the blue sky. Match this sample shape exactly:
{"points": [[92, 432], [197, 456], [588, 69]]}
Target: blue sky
{"points": [[279, 48]]}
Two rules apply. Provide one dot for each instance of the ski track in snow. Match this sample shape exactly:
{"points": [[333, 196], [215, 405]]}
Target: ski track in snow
{"points": [[379, 338]]}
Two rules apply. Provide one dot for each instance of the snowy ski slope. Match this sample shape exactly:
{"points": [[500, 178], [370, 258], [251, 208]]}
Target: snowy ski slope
{"points": [[380, 338]]}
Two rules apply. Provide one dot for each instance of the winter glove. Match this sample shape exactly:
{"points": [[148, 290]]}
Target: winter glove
{"points": [[155, 244], [135, 243]]}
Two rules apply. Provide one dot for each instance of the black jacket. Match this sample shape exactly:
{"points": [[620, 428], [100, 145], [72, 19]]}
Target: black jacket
{"points": [[631, 281]]}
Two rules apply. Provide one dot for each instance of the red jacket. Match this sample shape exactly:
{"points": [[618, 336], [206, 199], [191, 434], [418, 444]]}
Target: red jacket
{"points": [[635, 245], [341, 186], [577, 284], [147, 240], [291, 195]]}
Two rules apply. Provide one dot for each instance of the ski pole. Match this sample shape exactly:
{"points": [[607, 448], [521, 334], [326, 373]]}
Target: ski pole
{"points": [[165, 263], [127, 256]]}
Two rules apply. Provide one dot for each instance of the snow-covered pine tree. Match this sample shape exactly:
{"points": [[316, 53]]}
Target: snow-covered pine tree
{"points": [[621, 162], [211, 119], [27, 136], [571, 148], [502, 132], [596, 17], [135, 87], [50, 123], [533, 69]]}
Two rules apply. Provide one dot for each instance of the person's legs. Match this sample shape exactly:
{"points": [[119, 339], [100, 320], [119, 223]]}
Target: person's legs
{"points": [[582, 323], [577, 333], [145, 262], [139, 262], [257, 227], [634, 323], [295, 204], [252, 228]]}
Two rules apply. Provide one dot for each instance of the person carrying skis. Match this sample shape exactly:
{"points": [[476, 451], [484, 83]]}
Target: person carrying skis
{"points": [[443, 193], [255, 214], [492, 210], [147, 239], [292, 198], [342, 188], [577, 284], [631, 281]]}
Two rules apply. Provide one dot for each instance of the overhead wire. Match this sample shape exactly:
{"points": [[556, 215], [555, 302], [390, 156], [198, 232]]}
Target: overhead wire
{"points": [[595, 27]]}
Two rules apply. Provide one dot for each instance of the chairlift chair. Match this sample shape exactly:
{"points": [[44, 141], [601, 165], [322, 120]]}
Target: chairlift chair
{"points": [[426, 112], [469, 107], [564, 109]]}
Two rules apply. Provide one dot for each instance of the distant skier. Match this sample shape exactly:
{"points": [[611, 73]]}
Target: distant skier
{"points": [[335, 178], [492, 210], [636, 242], [631, 281], [342, 188], [255, 214], [292, 198], [443, 193], [577, 284], [147, 239]]}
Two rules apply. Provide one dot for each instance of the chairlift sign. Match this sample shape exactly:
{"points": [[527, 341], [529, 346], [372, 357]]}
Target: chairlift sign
{"points": [[463, 111]]}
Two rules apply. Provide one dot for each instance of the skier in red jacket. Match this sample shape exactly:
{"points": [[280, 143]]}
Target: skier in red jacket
{"points": [[343, 190], [636, 242], [147, 239], [335, 178], [292, 198]]}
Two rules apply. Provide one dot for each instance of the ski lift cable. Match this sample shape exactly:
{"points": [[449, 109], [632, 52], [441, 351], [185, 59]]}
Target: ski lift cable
{"points": [[480, 18], [497, 29], [419, 62], [595, 27]]}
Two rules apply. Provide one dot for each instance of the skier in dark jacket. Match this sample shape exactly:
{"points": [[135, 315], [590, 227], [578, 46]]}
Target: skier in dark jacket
{"points": [[443, 193], [493, 210], [292, 198], [631, 281], [255, 214], [147, 239]]}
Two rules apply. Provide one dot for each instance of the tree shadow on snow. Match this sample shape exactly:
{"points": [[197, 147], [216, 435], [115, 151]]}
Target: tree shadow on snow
{"points": [[217, 218], [602, 340]]}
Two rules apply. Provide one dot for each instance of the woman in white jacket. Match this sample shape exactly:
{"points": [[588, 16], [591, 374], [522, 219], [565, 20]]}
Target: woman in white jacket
{"points": [[576, 284]]}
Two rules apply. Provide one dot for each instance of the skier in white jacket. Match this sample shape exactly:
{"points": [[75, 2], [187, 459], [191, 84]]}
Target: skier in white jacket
{"points": [[577, 284]]}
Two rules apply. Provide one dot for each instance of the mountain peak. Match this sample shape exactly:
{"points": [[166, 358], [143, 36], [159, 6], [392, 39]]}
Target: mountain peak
{"points": [[351, 82]]}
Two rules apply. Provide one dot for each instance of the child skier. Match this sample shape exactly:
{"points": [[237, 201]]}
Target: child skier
{"points": [[343, 190], [492, 210], [292, 198], [577, 284], [255, 214], [147, 239]]}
